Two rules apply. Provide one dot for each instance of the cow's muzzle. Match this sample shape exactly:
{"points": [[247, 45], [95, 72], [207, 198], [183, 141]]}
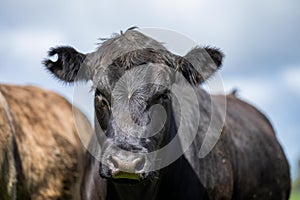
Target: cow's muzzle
{"points": [[123, 166], [126, 168]]}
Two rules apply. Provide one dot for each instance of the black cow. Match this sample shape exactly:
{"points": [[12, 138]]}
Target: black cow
{"points": [[144, 95]]}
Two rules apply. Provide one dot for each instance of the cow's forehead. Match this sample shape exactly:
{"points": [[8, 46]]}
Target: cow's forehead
{"points": [[119, 45], [113, 60], [129, 41], [152, 77]]}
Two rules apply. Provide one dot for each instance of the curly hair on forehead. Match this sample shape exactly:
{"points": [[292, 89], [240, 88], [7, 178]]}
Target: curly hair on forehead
{"points": [[144, 56]]}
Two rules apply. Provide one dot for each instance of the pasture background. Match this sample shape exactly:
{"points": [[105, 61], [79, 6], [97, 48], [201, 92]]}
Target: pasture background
{"points": [[259, 38]]}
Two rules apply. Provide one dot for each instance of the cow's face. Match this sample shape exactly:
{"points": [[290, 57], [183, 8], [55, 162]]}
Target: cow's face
{"points": [[132, 76], [134, 113]]}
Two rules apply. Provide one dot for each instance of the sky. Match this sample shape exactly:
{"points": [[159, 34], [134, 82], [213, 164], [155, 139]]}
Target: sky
{"points": [[260, 40]]}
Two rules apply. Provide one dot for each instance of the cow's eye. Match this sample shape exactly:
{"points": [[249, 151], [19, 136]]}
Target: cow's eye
{"points": [[164, 95], [101, 101], [102, 110]]}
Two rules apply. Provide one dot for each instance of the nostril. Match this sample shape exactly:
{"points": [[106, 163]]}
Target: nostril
{"points": [[114, 161], [140, 164], [126, 165]]}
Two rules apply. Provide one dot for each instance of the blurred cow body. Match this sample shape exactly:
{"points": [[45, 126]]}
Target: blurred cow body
{"points": [[40, 152]]}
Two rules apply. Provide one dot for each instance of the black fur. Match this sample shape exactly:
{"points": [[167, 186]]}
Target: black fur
{"points": [[247, 144], [188, 71], [216, 55], [198, 65], [144, 56], [181, 64], [201, 63], [67, 65]]}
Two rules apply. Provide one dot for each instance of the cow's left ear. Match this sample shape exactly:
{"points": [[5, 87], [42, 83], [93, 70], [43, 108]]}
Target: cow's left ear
{"points": [[69, 66], [199, 64]]}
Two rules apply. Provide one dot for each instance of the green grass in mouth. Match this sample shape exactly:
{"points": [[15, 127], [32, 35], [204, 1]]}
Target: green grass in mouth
{"points": [[126, 175]]}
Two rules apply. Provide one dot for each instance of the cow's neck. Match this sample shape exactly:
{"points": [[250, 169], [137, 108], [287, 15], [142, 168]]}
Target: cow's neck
{"points": [[148, 190], [145, 191], [170, 184], [176, 181]]}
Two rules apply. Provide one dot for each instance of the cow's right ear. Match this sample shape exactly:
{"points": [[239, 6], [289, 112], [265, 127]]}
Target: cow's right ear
{"points": [[199, 64], [69, 65]]}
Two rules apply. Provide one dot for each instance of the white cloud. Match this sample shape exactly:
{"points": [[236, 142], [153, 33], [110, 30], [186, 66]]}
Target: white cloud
{"points": [[291, 79], [260, 92], [28, 43]]}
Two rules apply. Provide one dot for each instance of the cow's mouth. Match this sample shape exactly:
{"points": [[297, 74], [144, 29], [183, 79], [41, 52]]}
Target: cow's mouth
{"points": [[133, 179], [127, 182], [126, 175], [123, 177]]}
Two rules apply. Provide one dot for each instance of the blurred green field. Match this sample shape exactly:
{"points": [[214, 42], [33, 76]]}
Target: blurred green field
{"points": [[295, 195]]}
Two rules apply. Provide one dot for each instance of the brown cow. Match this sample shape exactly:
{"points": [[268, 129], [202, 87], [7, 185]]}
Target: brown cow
{"points": [[39, 145]]}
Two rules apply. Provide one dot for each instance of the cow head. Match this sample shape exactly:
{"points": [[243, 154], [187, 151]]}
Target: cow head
{"points": [[132, 75]]}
